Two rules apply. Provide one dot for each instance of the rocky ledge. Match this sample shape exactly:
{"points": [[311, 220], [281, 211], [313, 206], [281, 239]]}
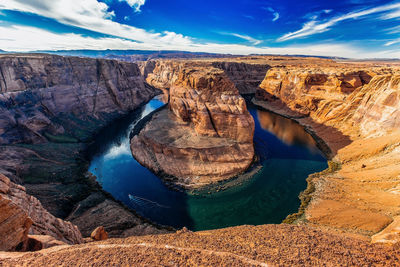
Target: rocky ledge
{"points": [[204, 137]]}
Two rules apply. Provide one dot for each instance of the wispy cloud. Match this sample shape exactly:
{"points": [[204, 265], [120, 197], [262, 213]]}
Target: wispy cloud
{"points": [[396, 41], [135, 4], [314, 26], [274, 13], [248, 17], [250, 39]]}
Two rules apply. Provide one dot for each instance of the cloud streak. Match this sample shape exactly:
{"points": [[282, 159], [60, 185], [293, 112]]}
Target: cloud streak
{"points": [[314, 27], [250, 39], [275, 14]]}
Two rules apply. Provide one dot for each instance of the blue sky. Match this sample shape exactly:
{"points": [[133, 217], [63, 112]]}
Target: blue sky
{"points": [[348, 28]]}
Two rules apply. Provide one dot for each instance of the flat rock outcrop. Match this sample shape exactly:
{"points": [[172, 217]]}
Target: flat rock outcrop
{"points": [[263, 245], [206, 136]]}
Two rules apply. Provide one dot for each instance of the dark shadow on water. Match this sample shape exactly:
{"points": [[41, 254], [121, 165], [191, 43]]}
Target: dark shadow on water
{"points": [[131, 183], [288, 155]]}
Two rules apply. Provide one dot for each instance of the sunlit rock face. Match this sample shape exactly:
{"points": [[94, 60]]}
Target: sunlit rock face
{"points": [[358, 114], [15, 224], [304, 89], [205, 136]]}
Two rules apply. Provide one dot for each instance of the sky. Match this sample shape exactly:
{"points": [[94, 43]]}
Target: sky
{"points": [[343, 28]]}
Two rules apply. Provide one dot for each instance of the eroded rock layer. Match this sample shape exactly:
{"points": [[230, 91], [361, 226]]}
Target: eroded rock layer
{"points": [[206, 136], [28, 215], [357, 114], [50, 108]]}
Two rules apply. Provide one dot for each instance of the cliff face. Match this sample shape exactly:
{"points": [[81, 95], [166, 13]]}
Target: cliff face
{"points": [[303, 90], [35, 90], [206, 136], [50, 108], [43, 223], [246, 77], [361, 125]]}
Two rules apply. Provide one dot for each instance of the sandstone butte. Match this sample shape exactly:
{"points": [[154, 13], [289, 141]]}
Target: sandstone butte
{"points": [[206, 134], [352, 109]]}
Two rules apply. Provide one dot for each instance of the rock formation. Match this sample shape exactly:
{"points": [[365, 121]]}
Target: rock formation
{"points": [[50, 108], [246, 76], [14, 224], [36, 90], [206, 136], [43, 223], [99, 234], [357, 114]]}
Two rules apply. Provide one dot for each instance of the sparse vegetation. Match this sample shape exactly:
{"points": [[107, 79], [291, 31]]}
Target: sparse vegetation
{"points": [[306, 195]]}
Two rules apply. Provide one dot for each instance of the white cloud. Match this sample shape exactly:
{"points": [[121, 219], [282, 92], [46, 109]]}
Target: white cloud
{"points": [[24, 39], [244, 37], [274, 13], [276, 16], [396, 41], [392, 15], [314, 26], [135, 4], [90, 15]]}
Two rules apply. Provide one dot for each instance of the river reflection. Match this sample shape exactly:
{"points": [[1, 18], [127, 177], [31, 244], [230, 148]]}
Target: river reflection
{"points": [[287, 130]]}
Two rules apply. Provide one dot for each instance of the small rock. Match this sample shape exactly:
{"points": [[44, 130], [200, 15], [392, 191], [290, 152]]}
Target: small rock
{"points": [[363, 166], [183, 230], [99, 234]]}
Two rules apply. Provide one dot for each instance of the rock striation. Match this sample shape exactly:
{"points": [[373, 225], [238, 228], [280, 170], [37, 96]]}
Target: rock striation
{"points": [[28, 215], [37, 90], [246, 76], [205, 136], [357, 114], [50, 109]]}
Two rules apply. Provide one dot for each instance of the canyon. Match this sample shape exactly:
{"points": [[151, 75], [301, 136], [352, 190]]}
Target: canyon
{"points": [[51, 108]]}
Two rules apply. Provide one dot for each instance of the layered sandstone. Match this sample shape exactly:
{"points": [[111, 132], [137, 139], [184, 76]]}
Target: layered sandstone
{"points": [[50, 108], [43, 223], [246, 76], [357, 114], [205, 137], [37, 89]]}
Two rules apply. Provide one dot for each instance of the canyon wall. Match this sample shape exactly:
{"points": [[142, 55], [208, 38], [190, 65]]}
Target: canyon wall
{"points": [[357, 114], [246, 76], [206, 136], [36, 90], [50, 109], [28, 215]]}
